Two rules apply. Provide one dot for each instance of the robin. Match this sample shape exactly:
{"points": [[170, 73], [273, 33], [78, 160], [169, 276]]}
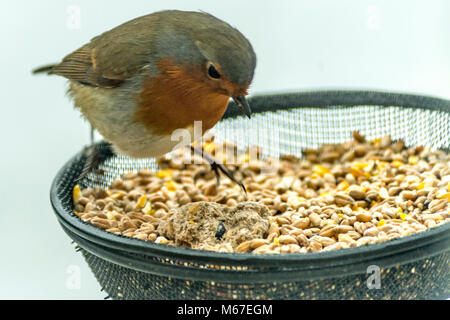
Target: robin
{"points": [[140, 81]]}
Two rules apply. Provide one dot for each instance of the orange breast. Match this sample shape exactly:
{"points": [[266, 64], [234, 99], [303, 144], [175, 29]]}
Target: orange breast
{"points": [[176, 98]]}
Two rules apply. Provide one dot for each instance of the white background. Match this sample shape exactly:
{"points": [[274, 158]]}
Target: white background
{"points": [[394, 45]]}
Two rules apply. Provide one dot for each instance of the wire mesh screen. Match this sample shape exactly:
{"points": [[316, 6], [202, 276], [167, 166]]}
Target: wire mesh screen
{"points": [[286, 128], [409, 281], [291, 131]]}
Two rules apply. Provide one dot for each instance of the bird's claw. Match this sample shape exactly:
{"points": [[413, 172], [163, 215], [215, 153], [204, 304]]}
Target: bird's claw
{"points": [[217, 167]]}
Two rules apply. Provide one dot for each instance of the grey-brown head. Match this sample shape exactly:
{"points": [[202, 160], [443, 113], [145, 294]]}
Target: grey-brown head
{"points": [[226, 57]]}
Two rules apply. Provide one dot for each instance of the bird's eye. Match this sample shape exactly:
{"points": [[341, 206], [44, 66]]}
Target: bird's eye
{"points": [[213, 73]]}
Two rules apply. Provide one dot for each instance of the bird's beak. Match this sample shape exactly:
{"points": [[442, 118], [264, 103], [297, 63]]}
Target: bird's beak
{"points": [[243, 104]]}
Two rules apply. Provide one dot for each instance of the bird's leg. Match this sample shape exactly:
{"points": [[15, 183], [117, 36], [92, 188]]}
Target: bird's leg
{"points": [[216, 167], [92, 136], [92, 158]]}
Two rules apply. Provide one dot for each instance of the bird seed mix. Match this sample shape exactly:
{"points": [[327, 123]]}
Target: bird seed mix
{"points": [[336, 196]]}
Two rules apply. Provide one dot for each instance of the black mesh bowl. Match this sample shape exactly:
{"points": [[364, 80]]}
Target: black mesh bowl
{"points": [[413, 267]]}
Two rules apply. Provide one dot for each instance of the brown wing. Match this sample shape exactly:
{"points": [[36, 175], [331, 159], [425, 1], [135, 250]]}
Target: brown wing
{"points": [[112, 57]]}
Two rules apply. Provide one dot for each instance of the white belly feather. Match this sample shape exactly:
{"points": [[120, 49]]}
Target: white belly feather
{"points": [[110, 112]]}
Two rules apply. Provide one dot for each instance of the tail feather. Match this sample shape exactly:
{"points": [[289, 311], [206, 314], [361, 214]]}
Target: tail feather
{"points": [[44, 69]]}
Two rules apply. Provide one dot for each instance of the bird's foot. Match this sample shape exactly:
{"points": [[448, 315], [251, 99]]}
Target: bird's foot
{"points": [[217, 168]]}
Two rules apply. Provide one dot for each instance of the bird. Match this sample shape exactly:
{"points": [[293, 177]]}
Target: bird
{"points": [[142, 80]]}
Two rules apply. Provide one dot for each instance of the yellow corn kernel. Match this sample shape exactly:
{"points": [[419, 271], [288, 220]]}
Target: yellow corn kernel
{"points": [[396, 163], [148, 209], [421, 186], [443, 194], [343, 185], [320, 170], [141, 202], [448, 187], [340, 215], [171, 186], [117, 195], [191, 221], [367, 174], [356, 169], [164, 173], [110, 215], [324, 194], [359, 164], [76, 213], [209, 147], [403, 216], [381, 223], [413, 159], [356, 172], [76, 194], [375, 141], [277, 241]]}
